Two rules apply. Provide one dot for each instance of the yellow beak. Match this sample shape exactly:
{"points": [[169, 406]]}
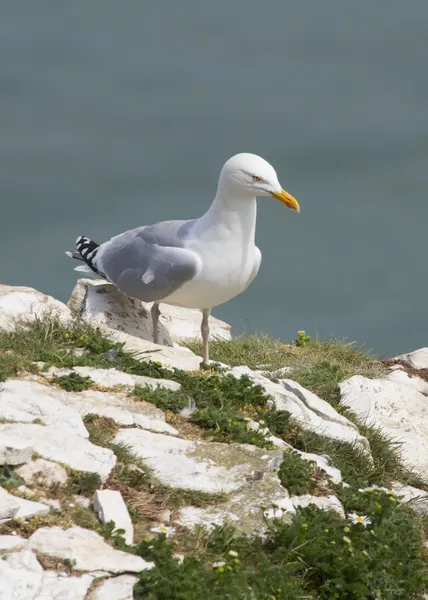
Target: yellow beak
{"points": [[286, 199]]}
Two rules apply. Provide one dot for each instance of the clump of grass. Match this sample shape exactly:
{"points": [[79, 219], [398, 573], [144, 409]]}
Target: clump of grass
{"points": [[73, 382], [50, 341], [297, 475], [269, 354], [9, 478], [355, 465], [27, 527], [318, 556], [83, 484], [222, 404]]}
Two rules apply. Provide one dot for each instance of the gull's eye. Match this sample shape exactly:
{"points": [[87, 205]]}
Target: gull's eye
{"points": [[256, 178]]}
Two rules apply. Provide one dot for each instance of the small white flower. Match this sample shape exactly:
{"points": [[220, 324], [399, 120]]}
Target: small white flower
{"points": [[71, 505], [167, 531], [14, 533], [374, 488], [354, 518], [219, 565], [233, 553]]}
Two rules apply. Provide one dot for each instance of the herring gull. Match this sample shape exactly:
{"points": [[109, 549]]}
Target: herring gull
{"points": [[198, 263]]}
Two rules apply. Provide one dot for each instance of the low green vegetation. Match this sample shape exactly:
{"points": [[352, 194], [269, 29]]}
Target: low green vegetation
{"points": [[297, 475], [375, 552], [9, 479], [221, 405], [73, 382]]}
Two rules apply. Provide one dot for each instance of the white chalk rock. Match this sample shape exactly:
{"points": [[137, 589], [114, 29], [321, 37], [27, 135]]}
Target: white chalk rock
{"points": [[417, 499], [43, 471], [19, 584], [14, 451], [8, 506], [115, 588], [25, 559], [243, 509], [24, 304], [418, 359], [400, 376], [322, 502], [172, 358], [24, 401], [398, 408], [121, 409], [110, 506], [58, 444], [101, 303], [88, 550], [310, 411], [10, 542], [24, 508], [113, 377], [60, 587], [205, 466]]}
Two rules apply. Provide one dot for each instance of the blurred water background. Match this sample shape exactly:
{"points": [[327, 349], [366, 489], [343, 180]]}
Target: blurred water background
{"points": [[118, 114]]}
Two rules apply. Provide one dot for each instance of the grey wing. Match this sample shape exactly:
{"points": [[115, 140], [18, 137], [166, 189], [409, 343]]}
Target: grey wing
{"points": [[149, 263]]}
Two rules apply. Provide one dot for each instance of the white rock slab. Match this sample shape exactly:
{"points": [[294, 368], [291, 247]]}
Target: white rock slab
{"points": [[26, 304], [25, 559], [418, 499], [22, 584], [24, 401], [56, 443], [121, 409], [113, 377], [19, 584], [14, 451], [322, 502], [400, 376], [10, 542], [43, 471], [115, 588], [102, 304], [8, 506], [60, 587], [205, 466], [399, 409], [88, 550], [418, 359], [25, 508], [110, 506], [245, 509], [310, 411], [172, 358]]}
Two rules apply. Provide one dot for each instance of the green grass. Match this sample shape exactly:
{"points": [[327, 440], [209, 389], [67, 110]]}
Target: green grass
{"points": [[308, 558], [297, 475], [318, 556], [73, 382], [9, 479], [53, 343], [263, 352], [222, 403]]}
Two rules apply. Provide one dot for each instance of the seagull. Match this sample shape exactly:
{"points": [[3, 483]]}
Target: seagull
{"points": [[199, 263]]}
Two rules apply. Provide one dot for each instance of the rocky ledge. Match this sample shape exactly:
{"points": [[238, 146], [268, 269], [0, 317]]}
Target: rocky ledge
{"points": [[128, 472]]}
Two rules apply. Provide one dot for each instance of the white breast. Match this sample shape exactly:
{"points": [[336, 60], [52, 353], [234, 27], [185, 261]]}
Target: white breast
{"points": [[224, 275]]}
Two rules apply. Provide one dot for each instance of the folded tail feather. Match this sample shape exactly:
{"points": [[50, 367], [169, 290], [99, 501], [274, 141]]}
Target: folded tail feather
{"points": [[86, 251]]}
